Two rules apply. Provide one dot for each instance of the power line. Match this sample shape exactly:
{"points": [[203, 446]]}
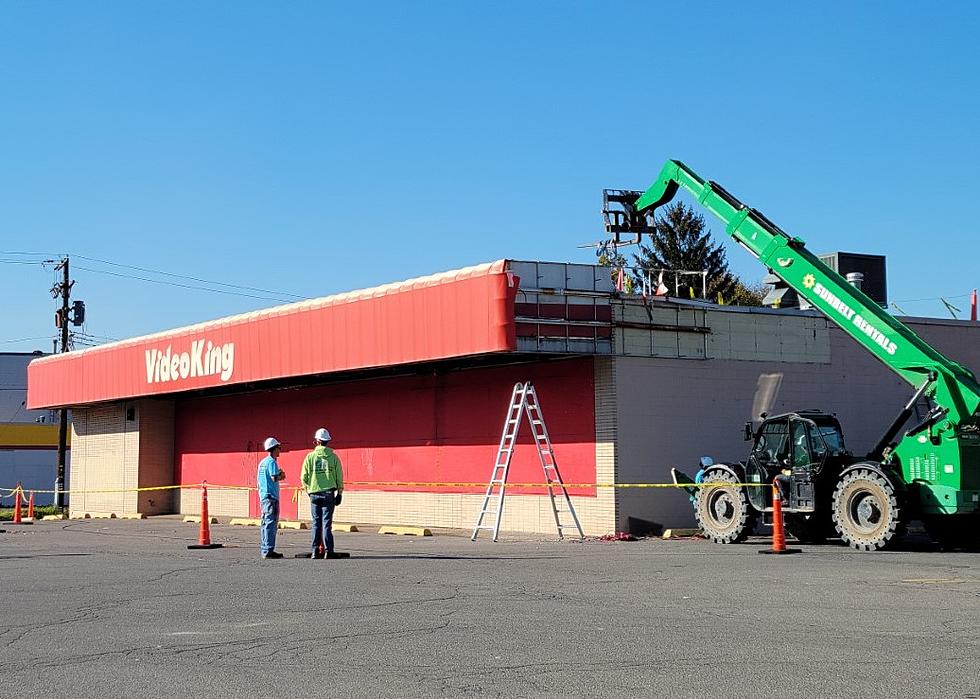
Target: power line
{"points": [[90, 336], [267, 294], [186, 286], [193, 279], [934, 298], [24, 339]]}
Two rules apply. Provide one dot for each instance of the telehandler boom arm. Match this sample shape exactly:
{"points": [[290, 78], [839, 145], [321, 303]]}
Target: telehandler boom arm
{"points": [[899, 348]]}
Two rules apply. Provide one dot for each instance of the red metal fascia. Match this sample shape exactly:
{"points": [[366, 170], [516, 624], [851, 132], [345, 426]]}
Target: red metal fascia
{"points": [[439, 317]]}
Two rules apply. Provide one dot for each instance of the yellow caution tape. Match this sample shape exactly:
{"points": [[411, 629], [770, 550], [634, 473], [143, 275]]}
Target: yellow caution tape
{"points": [[390, 484], [398, 484]]}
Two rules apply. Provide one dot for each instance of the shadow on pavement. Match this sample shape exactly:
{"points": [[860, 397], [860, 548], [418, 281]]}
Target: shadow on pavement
{"points": [[44, 555], [452, 558]]}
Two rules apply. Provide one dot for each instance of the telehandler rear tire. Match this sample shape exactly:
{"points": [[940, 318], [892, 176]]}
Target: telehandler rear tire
{"points": [[866, 510], [723, 512]]}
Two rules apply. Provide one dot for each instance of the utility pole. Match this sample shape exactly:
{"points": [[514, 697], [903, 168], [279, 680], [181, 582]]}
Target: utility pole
{"points": [[64, 290]]}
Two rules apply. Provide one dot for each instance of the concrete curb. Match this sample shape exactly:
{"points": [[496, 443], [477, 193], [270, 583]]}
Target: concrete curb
{"points": [[405, 531], [245, 522], [680, 533]]}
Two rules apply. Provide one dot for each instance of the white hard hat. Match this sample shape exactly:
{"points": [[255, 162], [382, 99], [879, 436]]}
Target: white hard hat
{"points": [[270, 444], [322, 435]]}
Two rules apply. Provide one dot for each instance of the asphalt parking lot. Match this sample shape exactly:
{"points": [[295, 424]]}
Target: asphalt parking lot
{"points": [[122, 608]]}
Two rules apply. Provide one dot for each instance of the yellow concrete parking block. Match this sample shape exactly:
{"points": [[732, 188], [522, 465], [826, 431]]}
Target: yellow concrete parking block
{"points": [[344, 528], [293, 525], [51, 518], [132, 515], [80, 515], [405, 531], [245, 522], [680, 533], [100, 515], [196, 519]]}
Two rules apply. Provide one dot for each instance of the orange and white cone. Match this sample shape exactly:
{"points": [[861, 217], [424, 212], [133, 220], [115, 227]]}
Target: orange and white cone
{"points": [[204, 534], [778, 532], [17, 516], [30, 507]]}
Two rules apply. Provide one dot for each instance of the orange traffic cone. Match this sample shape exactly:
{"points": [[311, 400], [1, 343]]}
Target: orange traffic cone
{"points": [[17, 518], [778, 533], [204, 535], [30, 506]]}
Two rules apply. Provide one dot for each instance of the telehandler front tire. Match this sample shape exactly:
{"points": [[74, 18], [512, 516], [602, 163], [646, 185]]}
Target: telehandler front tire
{"points": [[866, 510], [723, 511]]}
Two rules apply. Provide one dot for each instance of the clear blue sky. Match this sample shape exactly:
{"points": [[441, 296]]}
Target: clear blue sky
{"points": [[315, 147]]}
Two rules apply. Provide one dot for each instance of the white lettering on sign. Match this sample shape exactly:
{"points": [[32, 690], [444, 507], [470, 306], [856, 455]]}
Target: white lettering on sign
{"points": [[861, 323], [203, 359]]}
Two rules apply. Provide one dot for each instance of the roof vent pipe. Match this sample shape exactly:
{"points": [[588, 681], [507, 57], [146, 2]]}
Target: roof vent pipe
{"points": [[855, 279]]}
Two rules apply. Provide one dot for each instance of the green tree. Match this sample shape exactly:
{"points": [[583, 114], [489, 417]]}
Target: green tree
{"points": [[747, 294], [683, 242]]}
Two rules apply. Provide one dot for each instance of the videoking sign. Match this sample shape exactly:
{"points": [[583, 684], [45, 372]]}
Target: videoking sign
{"points": [[203, 359]]}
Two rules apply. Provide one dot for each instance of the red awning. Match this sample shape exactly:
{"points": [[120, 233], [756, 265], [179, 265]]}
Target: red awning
{"points": [[454, 314]]}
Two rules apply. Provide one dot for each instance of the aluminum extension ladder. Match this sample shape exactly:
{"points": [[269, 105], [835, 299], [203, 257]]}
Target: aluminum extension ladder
{"points": [[523, 400]]}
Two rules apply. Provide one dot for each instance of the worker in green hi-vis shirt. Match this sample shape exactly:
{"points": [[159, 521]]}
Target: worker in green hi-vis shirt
{"points": [[323, 478]]}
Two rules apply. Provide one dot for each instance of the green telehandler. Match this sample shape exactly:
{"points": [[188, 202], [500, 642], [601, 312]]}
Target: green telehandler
{"points": [[929, 471]]}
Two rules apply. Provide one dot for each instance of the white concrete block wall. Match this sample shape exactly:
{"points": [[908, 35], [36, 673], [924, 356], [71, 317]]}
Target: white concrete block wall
{"points": [[221, 503], [105, 457], [522, 513], [156, 456]]}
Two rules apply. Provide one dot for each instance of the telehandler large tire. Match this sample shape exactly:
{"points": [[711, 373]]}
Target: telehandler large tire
{"points": [[866, 510], [723, 512]]}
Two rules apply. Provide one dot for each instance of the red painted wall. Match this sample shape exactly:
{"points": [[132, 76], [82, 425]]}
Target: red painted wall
{"points": [[425, 429]]}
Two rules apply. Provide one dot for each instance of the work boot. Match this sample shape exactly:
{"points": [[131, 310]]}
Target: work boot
{"points": [[317, 554], [272, 554]]}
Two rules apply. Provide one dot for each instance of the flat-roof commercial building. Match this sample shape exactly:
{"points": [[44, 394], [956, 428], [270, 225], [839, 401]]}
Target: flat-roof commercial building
{"points": [[413, 380], [28, 438]]}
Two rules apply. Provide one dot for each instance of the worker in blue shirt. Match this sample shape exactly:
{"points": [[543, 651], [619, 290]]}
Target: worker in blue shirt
{"points": [[268, 479]]}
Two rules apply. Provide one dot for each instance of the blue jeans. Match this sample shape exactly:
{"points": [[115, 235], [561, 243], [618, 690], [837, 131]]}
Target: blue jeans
{"points": [[321, 507], [270, 524]]}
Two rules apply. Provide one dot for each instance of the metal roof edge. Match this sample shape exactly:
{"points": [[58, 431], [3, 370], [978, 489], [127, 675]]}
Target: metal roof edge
{"points": [[478, 270]]}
